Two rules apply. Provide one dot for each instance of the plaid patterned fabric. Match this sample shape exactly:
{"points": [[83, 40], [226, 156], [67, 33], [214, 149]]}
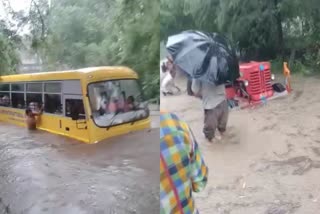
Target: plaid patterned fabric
{"points": [[182, 169]]}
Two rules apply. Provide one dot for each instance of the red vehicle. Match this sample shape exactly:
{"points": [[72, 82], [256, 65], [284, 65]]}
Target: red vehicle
{"points": [[254, 86]]}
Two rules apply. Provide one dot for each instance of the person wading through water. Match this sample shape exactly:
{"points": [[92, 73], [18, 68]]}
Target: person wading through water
{"points": [[32, 118], [215, 107]]}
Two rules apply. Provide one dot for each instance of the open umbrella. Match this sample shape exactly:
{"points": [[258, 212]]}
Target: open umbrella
{"points": [[206, 56]]}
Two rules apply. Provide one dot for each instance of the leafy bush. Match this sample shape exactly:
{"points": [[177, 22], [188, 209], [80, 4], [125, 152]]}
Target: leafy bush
{"points": [[298, 67], [276, 65]]}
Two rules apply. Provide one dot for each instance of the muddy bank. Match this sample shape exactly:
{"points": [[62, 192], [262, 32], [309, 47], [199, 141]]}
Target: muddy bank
{"points": [[44, 173], [269, 161]]}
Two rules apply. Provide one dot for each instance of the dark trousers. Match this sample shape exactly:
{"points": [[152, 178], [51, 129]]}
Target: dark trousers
{"points": [[189, 87], [214, 119]]}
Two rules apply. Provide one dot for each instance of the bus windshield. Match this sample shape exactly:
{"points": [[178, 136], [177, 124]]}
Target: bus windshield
{"points": [[115, 102]]}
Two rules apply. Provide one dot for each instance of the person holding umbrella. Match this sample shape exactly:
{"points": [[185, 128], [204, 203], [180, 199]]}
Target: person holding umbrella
{"points": [[215, 107], [211, 62]]}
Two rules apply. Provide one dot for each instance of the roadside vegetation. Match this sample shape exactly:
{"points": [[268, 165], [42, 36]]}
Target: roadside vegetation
{"points": [[275, 30], [71, 34]]}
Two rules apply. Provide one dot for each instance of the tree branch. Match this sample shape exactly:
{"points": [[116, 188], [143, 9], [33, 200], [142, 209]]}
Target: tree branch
{"points": [[41, 19]]}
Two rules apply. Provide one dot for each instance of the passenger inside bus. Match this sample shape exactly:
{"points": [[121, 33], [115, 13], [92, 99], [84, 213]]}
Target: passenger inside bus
{"points": [[113, 105], [129, 104], [20, 105], [5, 101], [124, 102], [53, 104], [103, 103]]}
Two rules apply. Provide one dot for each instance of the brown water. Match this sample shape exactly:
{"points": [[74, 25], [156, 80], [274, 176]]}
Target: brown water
{"points": [[45, 173], [269, 160]]}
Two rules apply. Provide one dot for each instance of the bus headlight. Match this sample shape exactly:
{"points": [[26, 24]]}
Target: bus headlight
{"points": [[246, 83], [273, 77]]}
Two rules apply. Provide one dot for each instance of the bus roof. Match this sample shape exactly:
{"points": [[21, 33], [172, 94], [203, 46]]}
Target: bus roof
{"points": [[89, 74]]}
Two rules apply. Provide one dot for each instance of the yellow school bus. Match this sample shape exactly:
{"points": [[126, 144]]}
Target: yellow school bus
{"points": [[88, 104]]}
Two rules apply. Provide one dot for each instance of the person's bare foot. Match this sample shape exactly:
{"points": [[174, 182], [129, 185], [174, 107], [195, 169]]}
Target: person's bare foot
{"points": [[222, 134]]}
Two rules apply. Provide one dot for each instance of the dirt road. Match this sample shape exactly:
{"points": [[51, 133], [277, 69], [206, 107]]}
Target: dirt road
{"points": [[44, 173], [269, 161]]}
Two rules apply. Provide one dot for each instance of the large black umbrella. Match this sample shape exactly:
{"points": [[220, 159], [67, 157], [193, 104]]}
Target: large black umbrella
{"points": [[205, 56]]}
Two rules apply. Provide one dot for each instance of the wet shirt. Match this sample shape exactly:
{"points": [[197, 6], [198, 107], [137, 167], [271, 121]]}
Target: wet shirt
{"points": [[212, 95], [182, 169]]}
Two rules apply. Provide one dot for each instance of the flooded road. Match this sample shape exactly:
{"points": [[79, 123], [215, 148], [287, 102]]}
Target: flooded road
{"points": [[269, 160], [45, 173]]}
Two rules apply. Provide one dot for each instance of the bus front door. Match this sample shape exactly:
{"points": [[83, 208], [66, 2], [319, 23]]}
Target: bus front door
{"points": [[75, 124]]}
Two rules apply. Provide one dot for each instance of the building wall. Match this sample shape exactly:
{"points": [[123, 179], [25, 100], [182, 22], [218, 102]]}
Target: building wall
{"points": [[30, 62], [29, 68]]}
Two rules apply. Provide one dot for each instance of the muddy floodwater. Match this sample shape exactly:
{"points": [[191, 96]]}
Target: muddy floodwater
{"points": [[269, 160], [45, 173]]}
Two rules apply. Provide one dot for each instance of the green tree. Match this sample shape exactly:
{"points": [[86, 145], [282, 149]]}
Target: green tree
{"points": [[263, 29], [137, 32], [9, 59], [81, 33]]}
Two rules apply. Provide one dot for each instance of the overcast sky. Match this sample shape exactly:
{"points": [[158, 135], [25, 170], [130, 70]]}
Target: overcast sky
{"points": [[16, 5], [19, 4]]}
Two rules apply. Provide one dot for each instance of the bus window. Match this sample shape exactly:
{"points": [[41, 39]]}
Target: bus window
{"points": [[18, 87], [4, 87], [52, 98], [116, 102], [34, 87], [4, 94], [17, 95], [75, 106], [17, 100], [53, 103], [34, 96], [4, 98], [53, 88]]}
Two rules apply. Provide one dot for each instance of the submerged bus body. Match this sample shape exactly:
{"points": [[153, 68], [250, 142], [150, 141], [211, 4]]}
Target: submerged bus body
{"points": [[89, 104]]}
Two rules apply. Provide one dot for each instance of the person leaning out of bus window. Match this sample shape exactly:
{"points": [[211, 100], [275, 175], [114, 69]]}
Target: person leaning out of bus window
{"points": [[34, 106], [32, 118]]}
